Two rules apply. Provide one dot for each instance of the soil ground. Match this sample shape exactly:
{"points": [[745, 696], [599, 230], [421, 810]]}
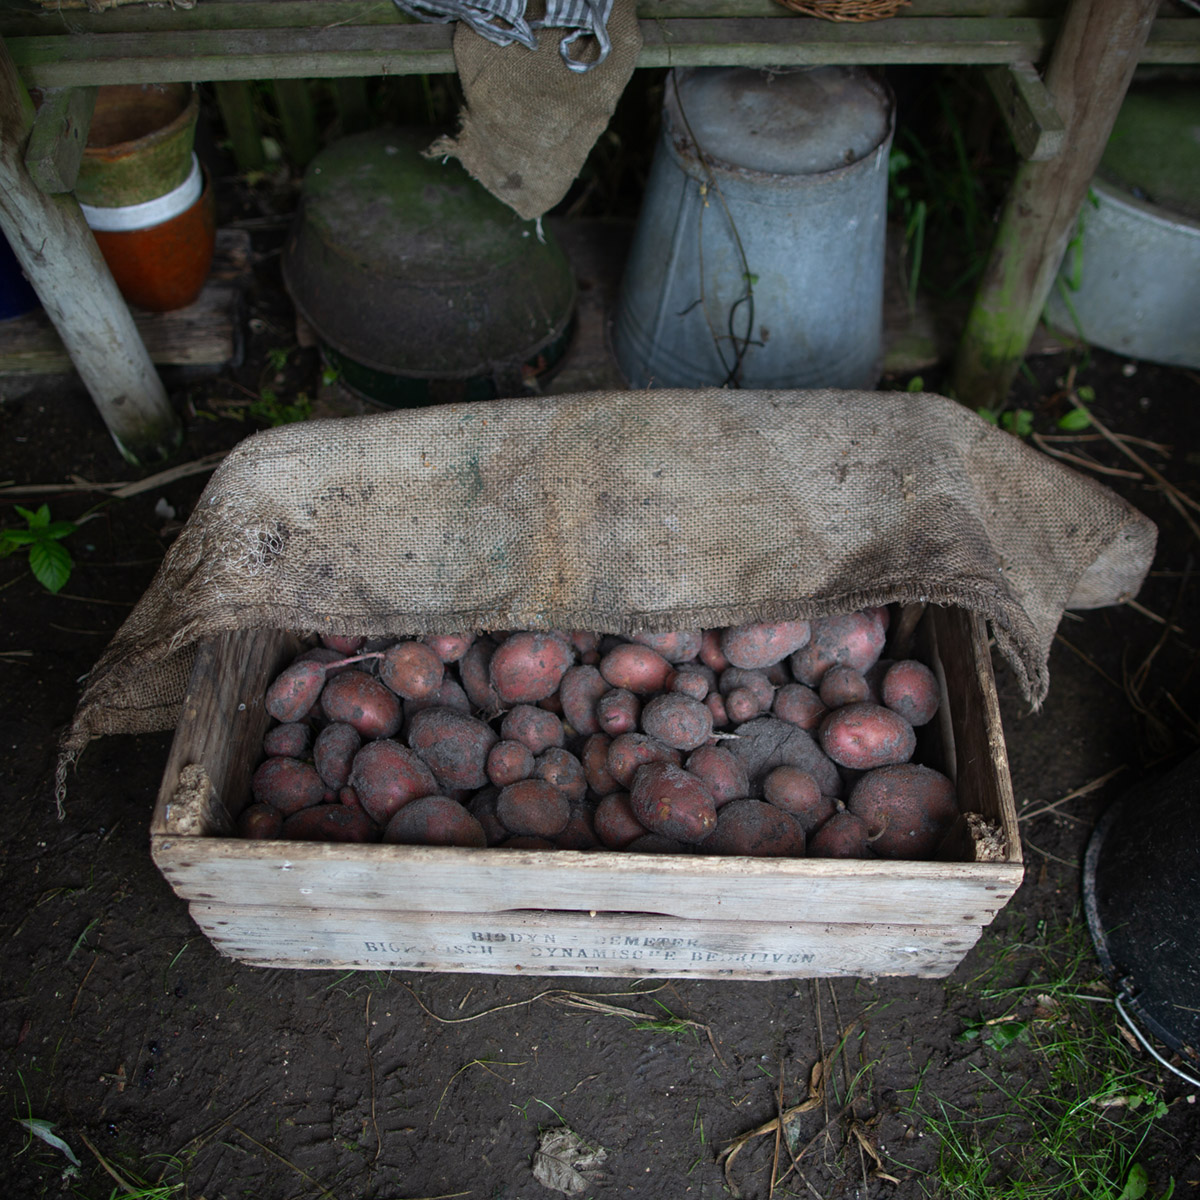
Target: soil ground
{"points": [[147, 1051]]}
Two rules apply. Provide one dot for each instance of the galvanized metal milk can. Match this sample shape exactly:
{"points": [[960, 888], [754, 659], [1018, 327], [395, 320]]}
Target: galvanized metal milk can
{"points": [[758, 256]]}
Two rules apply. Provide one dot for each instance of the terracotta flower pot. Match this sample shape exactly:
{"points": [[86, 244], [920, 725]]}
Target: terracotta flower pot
{"points": [[160, 252]]}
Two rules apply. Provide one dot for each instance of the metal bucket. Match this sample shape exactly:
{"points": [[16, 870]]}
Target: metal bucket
{"points": [[759, 251], [1130, 281]]}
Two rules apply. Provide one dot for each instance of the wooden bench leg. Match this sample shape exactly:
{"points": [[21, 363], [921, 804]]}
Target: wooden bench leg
{"points": [[59, 255], [1090, 67]]}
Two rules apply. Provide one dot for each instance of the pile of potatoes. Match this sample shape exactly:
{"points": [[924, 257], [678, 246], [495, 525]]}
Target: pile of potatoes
{"points": [[783, 739]]}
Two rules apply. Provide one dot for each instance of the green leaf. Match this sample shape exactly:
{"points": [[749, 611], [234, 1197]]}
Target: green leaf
{"points": [[1087, 393], [1076, 419], [20, 537], [988, 415], [59, 529], [50, 564], [1137, 1184], [1000, 1037], [915, 384], [1018, 422], [34, 519]]}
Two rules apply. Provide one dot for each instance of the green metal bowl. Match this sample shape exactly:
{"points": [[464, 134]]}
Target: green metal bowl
{"points": [[417, 281]]}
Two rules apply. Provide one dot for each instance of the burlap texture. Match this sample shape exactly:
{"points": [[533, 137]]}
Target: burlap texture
{"points": [[620, 512], [529, 123]]}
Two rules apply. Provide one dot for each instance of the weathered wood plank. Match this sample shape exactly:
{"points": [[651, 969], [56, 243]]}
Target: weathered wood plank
{"points": [[320, 14], [59, 136], [1089, 71], [569, 943], [1033, 124], [59, 256], [400, 49]]}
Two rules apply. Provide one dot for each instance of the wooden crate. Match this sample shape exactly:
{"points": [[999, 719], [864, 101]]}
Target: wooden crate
{"points": [[383, 907]]}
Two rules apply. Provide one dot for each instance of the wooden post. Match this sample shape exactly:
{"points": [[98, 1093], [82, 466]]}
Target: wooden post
{"points": [[293, 98], [58, 253], [1090, 67]]}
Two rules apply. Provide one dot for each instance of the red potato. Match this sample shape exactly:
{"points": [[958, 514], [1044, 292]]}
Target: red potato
{"points": [[842, 685], [763, 643], [670, 801], [579, 833], [911, 689], [677, 721], [528, 667], [865, 736], [715, 703], [757, 829], [359, 699], [693, 679], [259, 822], [508, 762], [435, 821], [287, 784], [330, 823], [455, 746], [799, 705], [386, 776], [756, 682], [742, 705], [629, 751], [614, 822], [533, 808], [334, 751], [842, 836], [343, 644], [533, 727], [908, 809], [656, 843], [580, 690], [482, 806], [721, 771], [638, 669], [349, 797], [562, 769], [767, 742], [851, 640], [679, 646], [796, 793], [294, 690], [711, 654], [474, 671], [594, 757], [587, 646], [289, 740], [449, 695], [449, 647], [412, 670], [618, 711]]}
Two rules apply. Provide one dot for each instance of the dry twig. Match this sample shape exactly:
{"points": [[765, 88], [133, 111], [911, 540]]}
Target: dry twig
{"points": [[1083, 790]]}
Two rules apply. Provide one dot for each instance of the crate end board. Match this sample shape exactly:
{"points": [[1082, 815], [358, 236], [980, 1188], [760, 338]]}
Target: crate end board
{"points": [[570, 943]]}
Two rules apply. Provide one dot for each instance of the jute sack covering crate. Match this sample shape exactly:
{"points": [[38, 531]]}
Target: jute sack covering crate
{"points": [[620, 512]]}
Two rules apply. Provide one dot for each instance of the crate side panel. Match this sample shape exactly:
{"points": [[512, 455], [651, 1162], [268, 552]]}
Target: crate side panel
{"points": [[568, 943], [444, 879]]}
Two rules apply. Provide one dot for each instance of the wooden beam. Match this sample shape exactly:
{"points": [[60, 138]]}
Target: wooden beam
{"points": [[57, 252], [1033, 123], [1089, 72], [59, 136]]}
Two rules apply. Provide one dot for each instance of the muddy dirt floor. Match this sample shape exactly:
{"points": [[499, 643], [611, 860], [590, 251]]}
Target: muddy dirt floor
{"points": [[160, 1062]]}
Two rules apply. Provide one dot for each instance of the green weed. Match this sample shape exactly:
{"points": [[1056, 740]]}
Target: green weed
{"points": [[1063, 1107], [41, 539]]}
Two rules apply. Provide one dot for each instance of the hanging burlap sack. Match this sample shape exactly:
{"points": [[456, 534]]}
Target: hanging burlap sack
{"points": [[529, 123], [620, 512]]}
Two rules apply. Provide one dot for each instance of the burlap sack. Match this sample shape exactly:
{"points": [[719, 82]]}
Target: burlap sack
{"points": [[620, 512], [529, 123]]}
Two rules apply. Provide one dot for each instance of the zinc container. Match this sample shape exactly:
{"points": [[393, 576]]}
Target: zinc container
{"points": [[1130, 280], [758, 255], [565, 912]]}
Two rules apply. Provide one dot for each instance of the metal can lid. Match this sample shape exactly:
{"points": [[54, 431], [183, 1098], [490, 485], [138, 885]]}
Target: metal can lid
{"points": [[785, 121]]}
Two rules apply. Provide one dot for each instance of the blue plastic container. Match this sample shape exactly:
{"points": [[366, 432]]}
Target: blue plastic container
{"points": [[17, 296], [758, 256]]}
